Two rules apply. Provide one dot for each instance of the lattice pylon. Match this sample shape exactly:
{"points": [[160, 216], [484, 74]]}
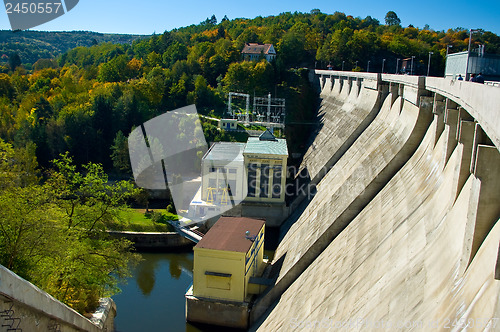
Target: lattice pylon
{"points": [[210, 196], [225, 197]]}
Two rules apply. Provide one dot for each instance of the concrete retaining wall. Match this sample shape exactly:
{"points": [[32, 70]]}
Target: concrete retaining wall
{"points": [[216, 312], [273, 213], [26, 307], [154, 240]]}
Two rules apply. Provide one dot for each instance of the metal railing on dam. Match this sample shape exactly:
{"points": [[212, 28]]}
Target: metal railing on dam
{"points": [[403, 227]]}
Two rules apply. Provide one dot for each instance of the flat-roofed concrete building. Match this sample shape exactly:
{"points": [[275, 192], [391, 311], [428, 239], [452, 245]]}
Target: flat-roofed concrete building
{"points": [[252, 172], [265, 163], [222, 169], [228, 124], [486, 64]]}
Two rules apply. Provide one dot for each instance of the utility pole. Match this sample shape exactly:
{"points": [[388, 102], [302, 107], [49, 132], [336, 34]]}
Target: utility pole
{"points": [[383, 63], [429, 63], [468, 54], [269, 107]]}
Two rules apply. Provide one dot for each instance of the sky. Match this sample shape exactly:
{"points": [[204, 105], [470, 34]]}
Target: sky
{"points": [[148, 16]]}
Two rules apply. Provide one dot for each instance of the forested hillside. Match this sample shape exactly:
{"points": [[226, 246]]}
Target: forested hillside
{"points": [[87, 100], [32, 46]]}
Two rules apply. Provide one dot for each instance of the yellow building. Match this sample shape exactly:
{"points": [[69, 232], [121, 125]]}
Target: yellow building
{"points": [[227, 257]]}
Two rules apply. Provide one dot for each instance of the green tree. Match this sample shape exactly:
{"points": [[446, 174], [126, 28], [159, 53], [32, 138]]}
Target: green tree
{"points": [[53, 234], [27, 230], [175, 52], [14, 61], [217, 67], [18, 167], [291, 48], [178, 93], [335, 46], [102, 124], [86, 202], [114, 70], [239, 77], [221, 32], [120, 154], [44, 63], [391, 18], [213, 20]]}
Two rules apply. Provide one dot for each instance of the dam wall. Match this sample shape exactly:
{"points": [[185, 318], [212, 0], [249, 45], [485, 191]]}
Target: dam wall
{"points": [[403, 225], [347, 108]]}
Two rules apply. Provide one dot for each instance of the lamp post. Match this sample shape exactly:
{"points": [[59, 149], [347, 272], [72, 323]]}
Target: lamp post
{"points": [[368, 67], [412, 57], [448, 49], [429, 63], [397, 66], [343, 65], [356, 65], [383, 63], [468, 53]]}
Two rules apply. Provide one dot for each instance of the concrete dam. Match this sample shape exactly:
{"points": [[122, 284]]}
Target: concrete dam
{"points": [[402, 232]]}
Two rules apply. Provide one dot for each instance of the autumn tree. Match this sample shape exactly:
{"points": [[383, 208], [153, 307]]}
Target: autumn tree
{"points": [[6, 87]]}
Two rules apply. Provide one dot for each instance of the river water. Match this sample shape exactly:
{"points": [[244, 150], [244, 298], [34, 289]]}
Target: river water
{"points": [[153, 298]]}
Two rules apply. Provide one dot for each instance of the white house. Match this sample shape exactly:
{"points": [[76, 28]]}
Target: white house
{"points": [[254, 51]]}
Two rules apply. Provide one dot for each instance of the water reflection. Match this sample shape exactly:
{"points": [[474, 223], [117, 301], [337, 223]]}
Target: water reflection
{"points": [[146, 270], [145, 276], [153, 298]]}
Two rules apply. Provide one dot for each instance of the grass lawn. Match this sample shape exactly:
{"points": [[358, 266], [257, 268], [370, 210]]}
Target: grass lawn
{"points": [[137, 220]]}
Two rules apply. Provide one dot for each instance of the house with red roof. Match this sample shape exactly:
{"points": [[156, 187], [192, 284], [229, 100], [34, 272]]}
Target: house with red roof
{"points": [[256, 51]]}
